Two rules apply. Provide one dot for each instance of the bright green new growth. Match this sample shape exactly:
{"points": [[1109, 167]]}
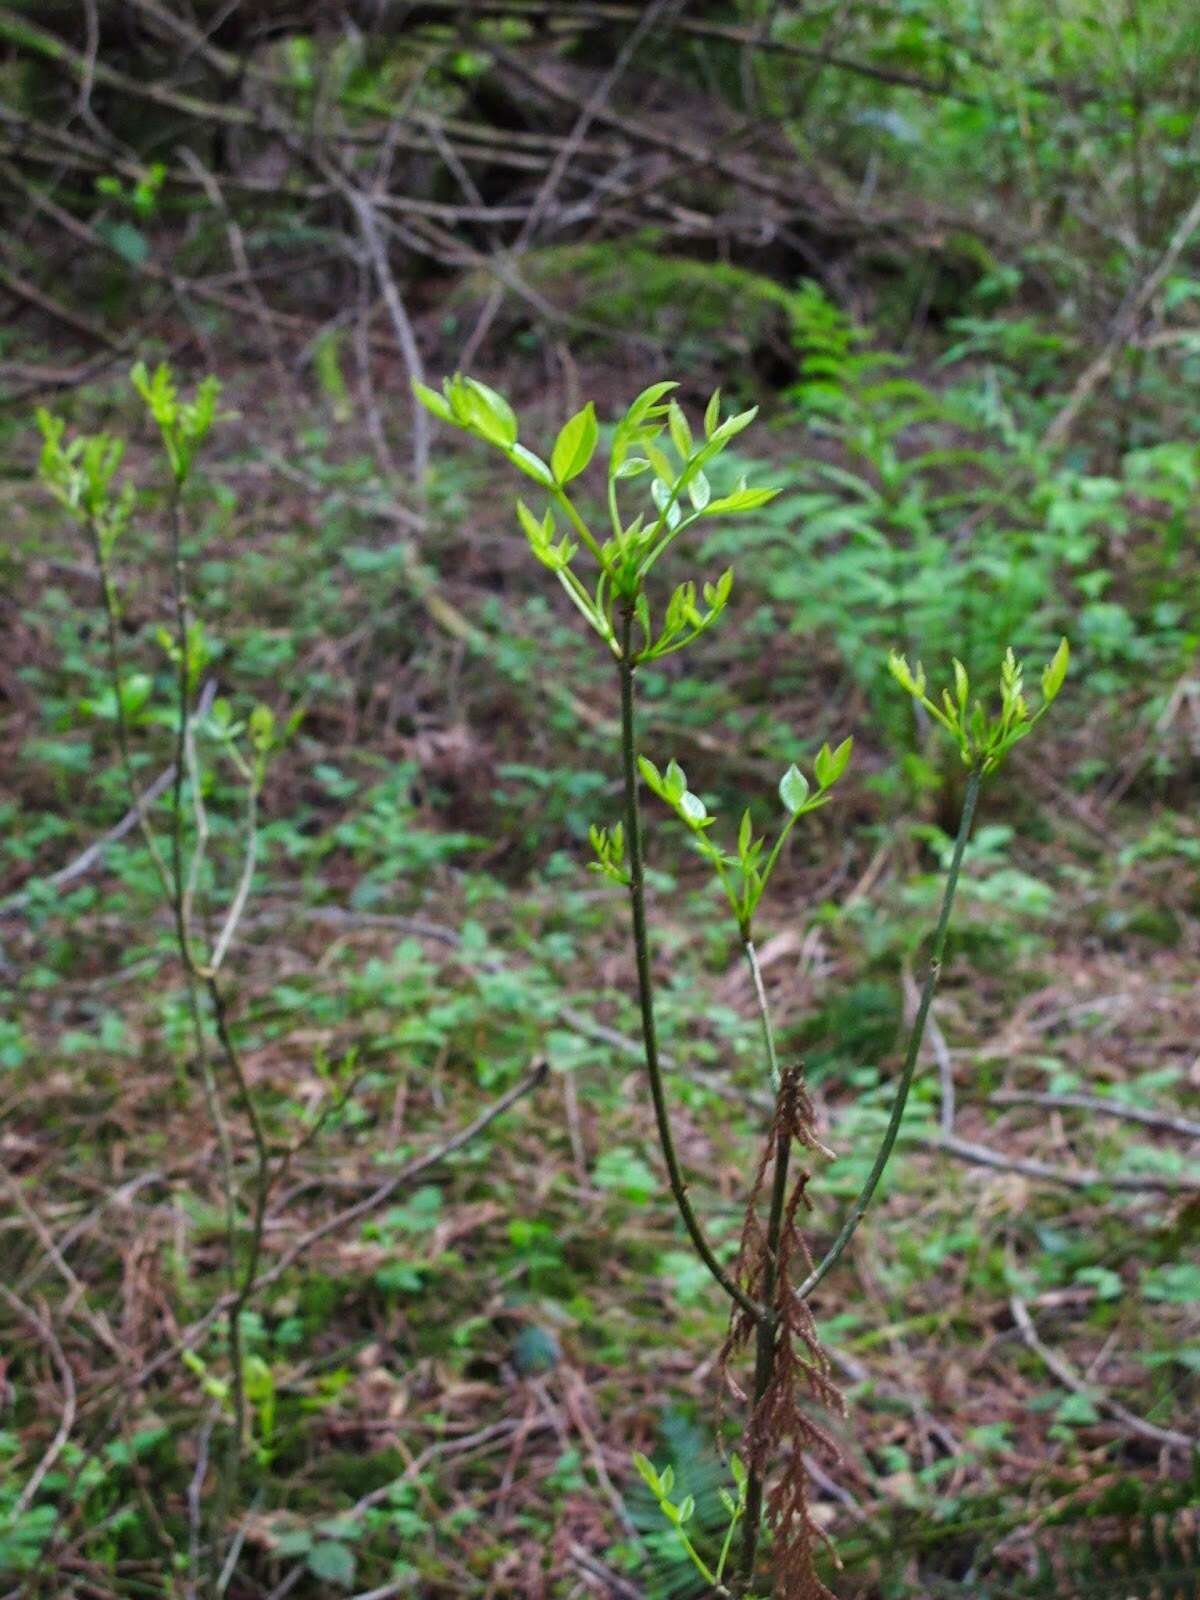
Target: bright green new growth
{"points": [[80, 473], [183, 424], [744, 875], [679, 491], [679, 1514], [983, 739]]}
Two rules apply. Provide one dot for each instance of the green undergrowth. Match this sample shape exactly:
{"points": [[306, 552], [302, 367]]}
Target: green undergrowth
{"points": [[399, 970]]}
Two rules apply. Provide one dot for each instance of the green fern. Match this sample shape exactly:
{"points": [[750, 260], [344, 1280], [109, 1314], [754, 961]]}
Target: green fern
{"points": [[665, 1571]]}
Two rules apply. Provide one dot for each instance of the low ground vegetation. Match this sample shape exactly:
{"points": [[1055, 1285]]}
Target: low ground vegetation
{"points": [[339, 1254]]}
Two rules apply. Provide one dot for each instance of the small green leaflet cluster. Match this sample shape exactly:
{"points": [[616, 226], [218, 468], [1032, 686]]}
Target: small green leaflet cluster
{"points": [[261, 1394], [142, 196], [743, 876], [79, 474], [183, 424], [610, 853], [197, 648], [680, 494], [260, 733], [678, 1515], [983, 739]]}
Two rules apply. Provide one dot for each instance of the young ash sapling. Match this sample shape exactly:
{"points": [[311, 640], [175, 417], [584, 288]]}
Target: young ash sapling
{"points": [[80, 473], [773, 1275], [239, 1390]]}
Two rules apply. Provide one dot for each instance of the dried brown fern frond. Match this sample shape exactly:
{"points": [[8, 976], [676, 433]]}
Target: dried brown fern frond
{"points": [[792, 1371]]}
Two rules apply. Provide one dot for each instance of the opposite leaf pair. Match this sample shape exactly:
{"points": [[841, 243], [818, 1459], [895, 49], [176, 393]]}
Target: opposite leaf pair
{"points": [[744, 876]]}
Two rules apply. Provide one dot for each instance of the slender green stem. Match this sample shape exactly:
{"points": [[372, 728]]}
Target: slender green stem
{"points": [[196, 973], [124, 744], [565, 504], [262, 1189], [665, 544], [184, 713], [727, 1545], [917, 1034], [690, 469], [764, 1011], [614, 512], [637, 900], [791, 822]]}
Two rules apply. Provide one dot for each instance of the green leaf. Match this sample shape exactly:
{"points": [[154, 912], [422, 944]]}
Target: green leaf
{"points": [[742, 499], [661, 464], [295, 1542], [483, 411], [433, 401], [261, 728], [1077, 1408], [538, 533], [622, 1170], [830, 764], [128, 242], [651, 774], [575, 445], [1179, 1282], [1055, 674], [692, 807], [535, 1350], [681, 433], [675, 781], [900, 670], [645, 402], [1108, 1284], [332, 1563], [712, 414], [532, 465], [732, 426], [793, 789], [666, 501], [962, 686]]}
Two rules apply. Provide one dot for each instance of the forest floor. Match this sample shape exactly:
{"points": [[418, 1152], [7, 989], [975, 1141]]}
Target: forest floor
{"points": [[453, 1380]]}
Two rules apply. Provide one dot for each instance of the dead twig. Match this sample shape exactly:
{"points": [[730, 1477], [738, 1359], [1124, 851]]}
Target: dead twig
{"points": [[599, 97], [980, 1155], [1168, 1123], [1070, 1379], [1123, 328], [364, 210], [49, 1338], [94, 854], [378, 1197], [241, 259], [21, 289]]}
